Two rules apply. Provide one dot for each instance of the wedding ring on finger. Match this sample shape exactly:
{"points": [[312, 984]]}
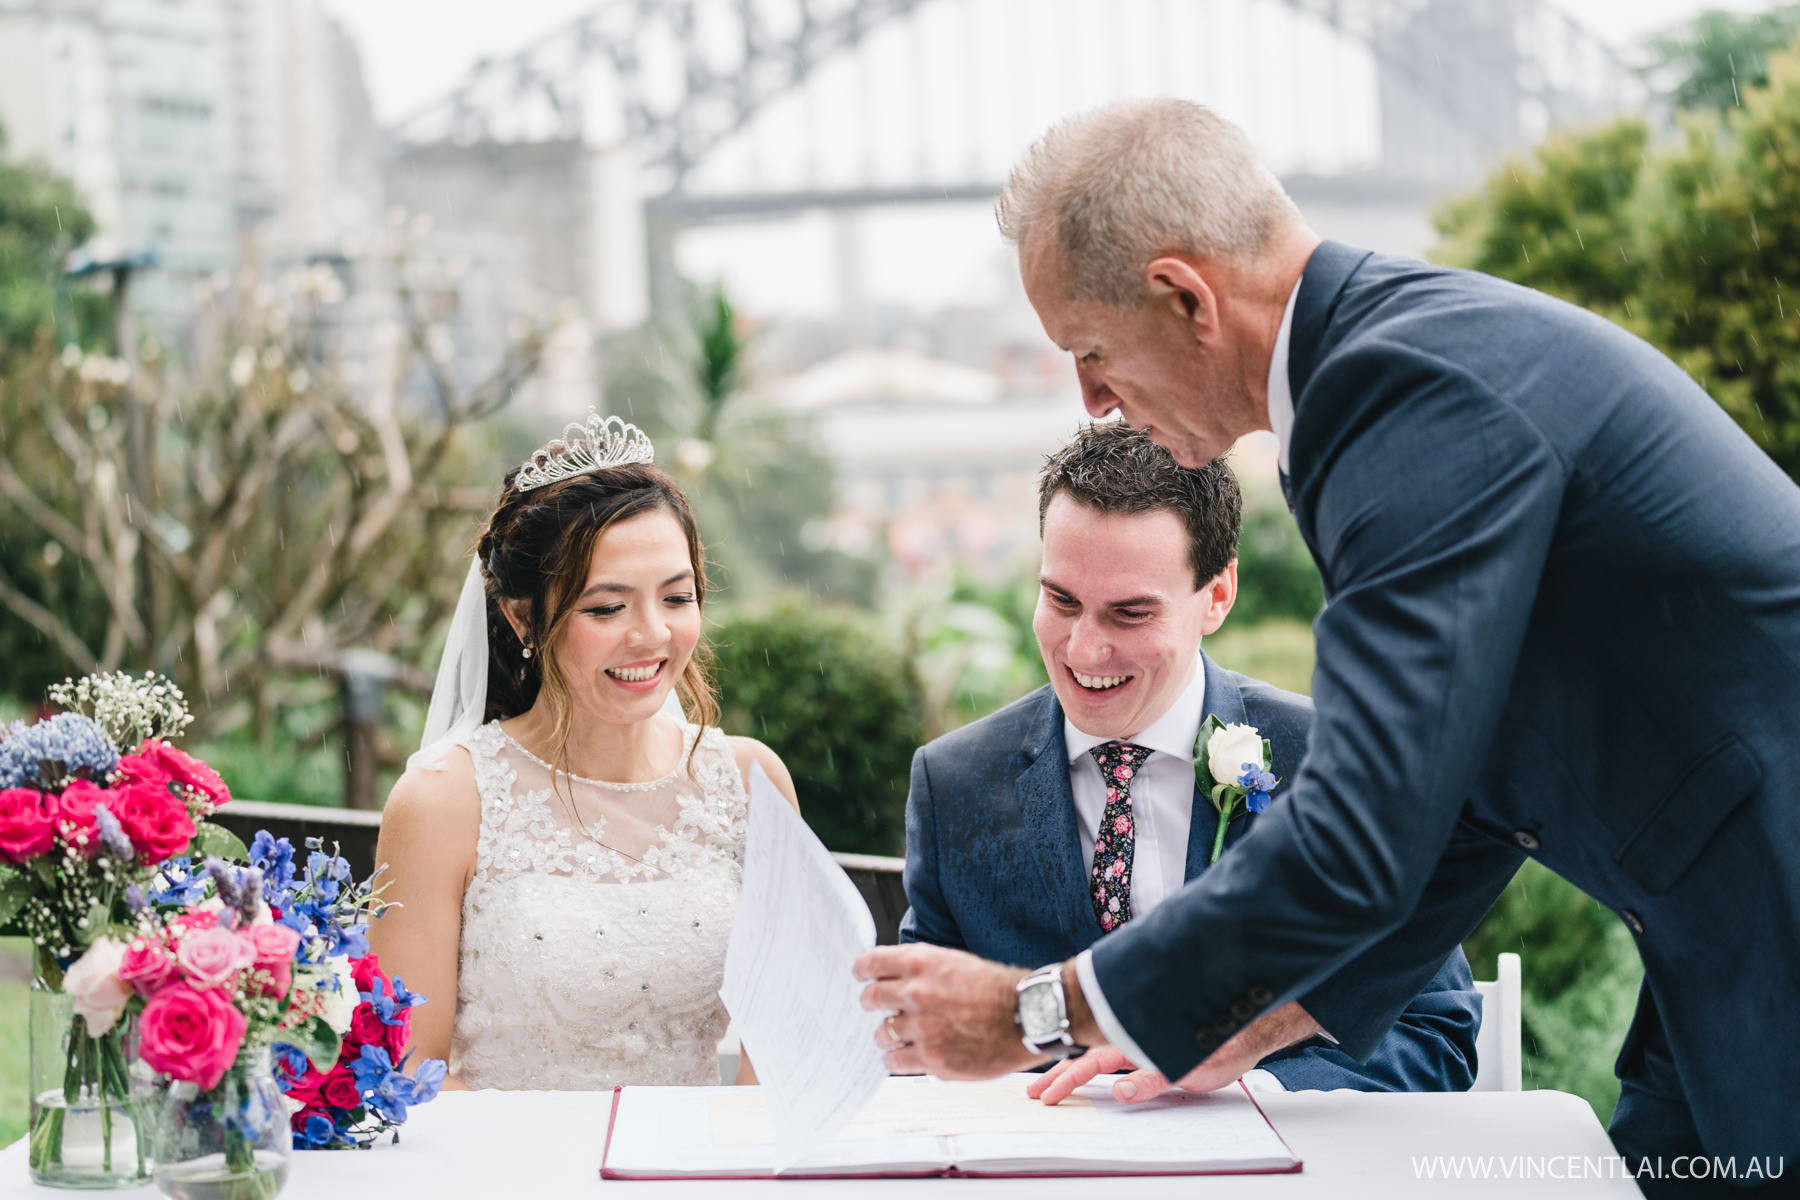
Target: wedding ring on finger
{"points": [[894, 1033]]}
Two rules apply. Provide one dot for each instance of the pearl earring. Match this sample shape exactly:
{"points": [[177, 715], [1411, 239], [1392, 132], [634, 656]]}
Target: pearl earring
{"points": [[526, 652]]}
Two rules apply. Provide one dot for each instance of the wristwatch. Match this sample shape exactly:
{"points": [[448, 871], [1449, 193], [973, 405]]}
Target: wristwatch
{"points": [[1042, 1014]]}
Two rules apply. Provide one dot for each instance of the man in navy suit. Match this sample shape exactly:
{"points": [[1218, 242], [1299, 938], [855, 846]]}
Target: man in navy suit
{"points": [[1562, 620], [1004, 837]]}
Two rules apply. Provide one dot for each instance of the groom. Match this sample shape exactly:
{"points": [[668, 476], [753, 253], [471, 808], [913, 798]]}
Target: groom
{"points": [[1004, 814]]}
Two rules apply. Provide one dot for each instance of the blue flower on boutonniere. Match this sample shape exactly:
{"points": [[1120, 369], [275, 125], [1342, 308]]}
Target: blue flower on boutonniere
{"points": [[1231, 764]]}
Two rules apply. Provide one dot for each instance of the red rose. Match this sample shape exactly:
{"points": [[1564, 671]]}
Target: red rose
{"points": [[366, 1028], [184, 771], [365, 971], [305, 1090], [398, 1034], [339, 1089], [76, 824], [156, 822], [27, 824], [190, 1034]]}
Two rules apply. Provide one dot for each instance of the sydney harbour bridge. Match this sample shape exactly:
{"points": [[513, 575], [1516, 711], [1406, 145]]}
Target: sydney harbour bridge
{"points": [[639, 118]]}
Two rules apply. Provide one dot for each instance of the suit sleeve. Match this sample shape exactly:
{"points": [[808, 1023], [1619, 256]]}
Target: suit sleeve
{"points": [[928, 918], [1431, 1048], [1433, 507]]}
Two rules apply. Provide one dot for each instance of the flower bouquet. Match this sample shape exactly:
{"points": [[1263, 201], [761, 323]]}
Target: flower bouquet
{"points": [[83, 831], [363, 1090], [1231, 765]]}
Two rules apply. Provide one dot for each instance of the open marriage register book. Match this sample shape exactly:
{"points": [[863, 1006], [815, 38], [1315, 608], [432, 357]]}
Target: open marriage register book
{"points": [[921, 1126]]}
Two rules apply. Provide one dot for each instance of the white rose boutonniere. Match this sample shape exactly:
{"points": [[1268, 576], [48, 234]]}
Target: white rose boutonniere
{"points": [[1231, 764]]}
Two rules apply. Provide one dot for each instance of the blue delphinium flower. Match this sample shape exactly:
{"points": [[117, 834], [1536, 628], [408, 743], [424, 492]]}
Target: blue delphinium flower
{"points": [[290, 1063], [319, 1132], [276, 858], [1257, 783], [179, 884], [389, 1006], [48, 753], [428, 1080]]}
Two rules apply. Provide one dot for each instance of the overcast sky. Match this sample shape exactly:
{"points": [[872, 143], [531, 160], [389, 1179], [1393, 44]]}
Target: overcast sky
{"points": [[415, 50], [994, 69]]}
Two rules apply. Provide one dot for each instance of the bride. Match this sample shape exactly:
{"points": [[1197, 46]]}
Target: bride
{"points": [[566, 854]]}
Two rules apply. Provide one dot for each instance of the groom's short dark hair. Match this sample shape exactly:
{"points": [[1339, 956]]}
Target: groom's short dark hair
{"points": [[1117, 469]]}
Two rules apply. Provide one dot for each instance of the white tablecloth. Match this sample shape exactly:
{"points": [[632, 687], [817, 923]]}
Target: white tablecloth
{"points": [[522, 1145]]}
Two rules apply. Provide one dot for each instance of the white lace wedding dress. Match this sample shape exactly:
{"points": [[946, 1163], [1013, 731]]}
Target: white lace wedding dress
{"points": [[592, 949]]}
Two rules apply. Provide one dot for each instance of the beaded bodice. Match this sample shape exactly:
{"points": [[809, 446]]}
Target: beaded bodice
{"points": [[594, 928]]}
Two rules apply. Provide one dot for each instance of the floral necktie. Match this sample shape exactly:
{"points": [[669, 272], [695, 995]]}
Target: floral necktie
{"points": [[1116, 838]]}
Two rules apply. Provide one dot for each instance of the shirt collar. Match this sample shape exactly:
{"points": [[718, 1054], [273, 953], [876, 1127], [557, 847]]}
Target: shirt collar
{"points": [[1172, 733], [1281, 398]]}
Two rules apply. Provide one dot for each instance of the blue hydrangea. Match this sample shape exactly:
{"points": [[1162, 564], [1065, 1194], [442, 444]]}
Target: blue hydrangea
{"points": [[50, 752]]}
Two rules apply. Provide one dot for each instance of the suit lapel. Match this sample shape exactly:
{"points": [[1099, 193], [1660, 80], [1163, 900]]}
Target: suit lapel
{"points": [[1327, 271], [1224, 701], [1047, 804]]}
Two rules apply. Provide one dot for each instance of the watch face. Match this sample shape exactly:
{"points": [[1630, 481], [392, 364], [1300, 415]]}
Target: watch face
{"points": [[1040, 1016]]}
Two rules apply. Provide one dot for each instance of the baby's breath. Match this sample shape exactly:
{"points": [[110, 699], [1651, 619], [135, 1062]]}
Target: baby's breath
{"points": [[130, 708]]}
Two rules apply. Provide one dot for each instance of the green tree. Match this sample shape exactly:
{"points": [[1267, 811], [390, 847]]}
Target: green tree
{"points": [[1706, 63], [827, 692], [1695, 245], [41, 220]]}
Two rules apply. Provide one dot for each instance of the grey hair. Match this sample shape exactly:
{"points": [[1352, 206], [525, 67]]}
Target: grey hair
{"points": [[1121, 184]]}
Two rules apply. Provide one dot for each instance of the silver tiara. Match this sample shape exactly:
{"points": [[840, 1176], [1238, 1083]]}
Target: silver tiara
{"points": [[585, 446]]}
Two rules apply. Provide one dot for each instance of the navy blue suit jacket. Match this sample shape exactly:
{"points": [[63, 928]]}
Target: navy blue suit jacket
{"points": [[994, 866], [1562, 619]]}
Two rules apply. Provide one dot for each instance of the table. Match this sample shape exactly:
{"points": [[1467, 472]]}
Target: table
{"points": [[522, 1145]]}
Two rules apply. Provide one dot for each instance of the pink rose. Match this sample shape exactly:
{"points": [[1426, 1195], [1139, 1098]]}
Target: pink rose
{"points": [[210, 957], [191, 1035], [274, 946], [75, 820], [156, 822], [305, 1090], [147, 965], [154, 757], [365, 971], [27, 824], [94, 986]]}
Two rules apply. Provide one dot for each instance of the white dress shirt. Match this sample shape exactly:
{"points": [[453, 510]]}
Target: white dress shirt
{"points": [[1281, 392], [1162, 794], [1162, 800]]}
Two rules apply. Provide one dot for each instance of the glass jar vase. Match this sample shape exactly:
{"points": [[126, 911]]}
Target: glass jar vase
{"points": [[86, 1124], [227, 1142]]}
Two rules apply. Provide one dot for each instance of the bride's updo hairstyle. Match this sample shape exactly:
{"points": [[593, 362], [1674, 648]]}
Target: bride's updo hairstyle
{"points": [[537, 548]]}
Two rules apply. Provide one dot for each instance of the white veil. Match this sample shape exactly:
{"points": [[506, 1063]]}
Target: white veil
{"points": [[459, 698]]}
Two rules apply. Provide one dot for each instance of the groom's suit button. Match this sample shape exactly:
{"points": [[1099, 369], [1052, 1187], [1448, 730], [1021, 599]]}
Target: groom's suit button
{"points": [[1243, 1010], [1261, 996], [1205, 1040], [1527, 840]]}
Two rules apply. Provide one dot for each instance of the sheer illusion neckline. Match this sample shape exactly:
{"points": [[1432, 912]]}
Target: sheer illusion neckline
{"points": [[641, 786]]}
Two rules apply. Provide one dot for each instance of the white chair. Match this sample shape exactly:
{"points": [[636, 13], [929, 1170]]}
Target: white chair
{"points": [[1498, 1067]]}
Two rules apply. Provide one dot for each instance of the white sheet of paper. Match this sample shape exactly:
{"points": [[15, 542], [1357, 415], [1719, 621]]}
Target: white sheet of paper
{"points": [[800, 924]]}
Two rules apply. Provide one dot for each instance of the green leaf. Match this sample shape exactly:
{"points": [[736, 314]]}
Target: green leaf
{"points": [[216, 841], [316, 1040], [15, 889]]}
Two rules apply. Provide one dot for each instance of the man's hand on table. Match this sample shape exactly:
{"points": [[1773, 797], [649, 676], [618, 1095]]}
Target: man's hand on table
{"points": [[953, 1012], [1270, 1032]]}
